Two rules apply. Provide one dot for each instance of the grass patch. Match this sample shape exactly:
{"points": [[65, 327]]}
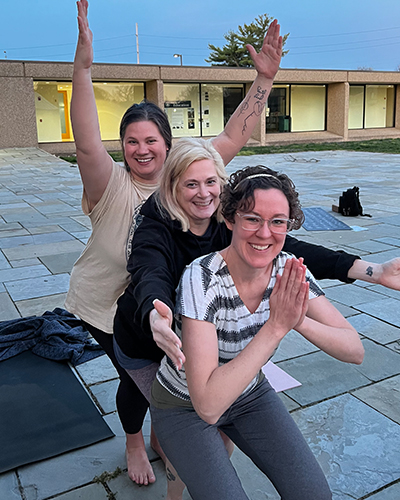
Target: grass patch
{"points": [[390, 146], [115, 155]]}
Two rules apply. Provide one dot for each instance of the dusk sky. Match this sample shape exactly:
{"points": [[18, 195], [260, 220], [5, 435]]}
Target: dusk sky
{"points": [[345, 34]]}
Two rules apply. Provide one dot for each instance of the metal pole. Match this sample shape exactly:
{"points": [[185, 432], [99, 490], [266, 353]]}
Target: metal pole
{"points": [[137, 43]]}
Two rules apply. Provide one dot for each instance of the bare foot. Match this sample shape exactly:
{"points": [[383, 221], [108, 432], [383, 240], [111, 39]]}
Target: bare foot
{"points": [[139, 468], [156, 445]]}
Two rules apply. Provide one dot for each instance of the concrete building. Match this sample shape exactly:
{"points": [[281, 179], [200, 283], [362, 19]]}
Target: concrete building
{"points": [[304, 105]]}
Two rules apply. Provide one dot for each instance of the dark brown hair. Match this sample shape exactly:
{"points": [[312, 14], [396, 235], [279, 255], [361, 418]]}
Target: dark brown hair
{"points": [[238, 193]]}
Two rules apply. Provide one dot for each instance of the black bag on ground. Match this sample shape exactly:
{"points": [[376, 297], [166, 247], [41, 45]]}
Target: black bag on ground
{"points": [[349, 203]]}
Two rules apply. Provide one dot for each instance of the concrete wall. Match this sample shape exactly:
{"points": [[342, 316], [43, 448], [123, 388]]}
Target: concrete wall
{"points": [[17, 99], [17, 107], [338, 109]]}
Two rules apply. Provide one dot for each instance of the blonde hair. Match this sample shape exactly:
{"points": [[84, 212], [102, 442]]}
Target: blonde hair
{"points": [[182, 155]]}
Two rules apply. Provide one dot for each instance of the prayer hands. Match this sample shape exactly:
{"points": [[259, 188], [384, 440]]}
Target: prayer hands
{"points": [[289, 298]]}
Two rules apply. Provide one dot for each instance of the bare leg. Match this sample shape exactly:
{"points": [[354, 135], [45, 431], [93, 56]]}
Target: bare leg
{"points": [[139, 468], [175, 486], [154, 443], [228, 443]]}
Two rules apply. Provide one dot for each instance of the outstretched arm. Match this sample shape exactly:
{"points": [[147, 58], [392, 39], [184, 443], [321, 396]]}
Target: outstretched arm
{"points": [[241, 124], [160, 319], [386, 274], [94, 163]]}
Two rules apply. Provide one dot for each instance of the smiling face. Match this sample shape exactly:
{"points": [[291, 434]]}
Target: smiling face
{"points": [[145, 151], [257, 249], [197, 194]]}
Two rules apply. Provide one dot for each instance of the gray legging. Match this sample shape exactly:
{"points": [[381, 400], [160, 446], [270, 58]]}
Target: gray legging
{"points": [[260, 425]]}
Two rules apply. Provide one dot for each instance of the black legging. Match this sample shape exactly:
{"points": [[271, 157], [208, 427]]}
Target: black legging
{"points": [[131, 404]]}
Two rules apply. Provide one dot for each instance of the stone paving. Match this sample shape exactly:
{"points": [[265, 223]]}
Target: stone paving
{"points": [[350, 415]]}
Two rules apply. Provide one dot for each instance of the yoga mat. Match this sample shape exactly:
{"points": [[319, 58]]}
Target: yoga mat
{"points": [[44, 411], [319, 220], [278, 378]]}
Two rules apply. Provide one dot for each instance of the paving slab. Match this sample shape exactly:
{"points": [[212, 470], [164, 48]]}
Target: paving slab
{"points": [[379, 361], [97, 370], [292, 346], [37, 287], [92, 491], [375, 329], [25, 262], [357, 447], [386, 310], [321, 377], [74, 469], [350, 295], [384, 396], [105, 394], [4, 264], [372, 246], [22, 273], [390, 241], [395, 346], [60, 263], [7, 307], [29, 251], [390, 493], [36, 307], [287, 401], [9, 488]]}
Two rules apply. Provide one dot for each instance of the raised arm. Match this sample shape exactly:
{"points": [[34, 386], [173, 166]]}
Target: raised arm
{"points": [[94, 163], [239, 128]]}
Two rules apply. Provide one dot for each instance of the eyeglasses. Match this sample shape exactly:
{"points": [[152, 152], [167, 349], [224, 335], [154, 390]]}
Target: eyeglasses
{"points": [[254, 223]]}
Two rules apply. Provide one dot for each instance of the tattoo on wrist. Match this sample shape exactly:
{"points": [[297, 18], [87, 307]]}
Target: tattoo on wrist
{"points": [[369, 271], [170, 476]]}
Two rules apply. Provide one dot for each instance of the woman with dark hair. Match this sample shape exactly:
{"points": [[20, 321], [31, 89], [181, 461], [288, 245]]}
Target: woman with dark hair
{"points": [[112, 197], [233, 307]]}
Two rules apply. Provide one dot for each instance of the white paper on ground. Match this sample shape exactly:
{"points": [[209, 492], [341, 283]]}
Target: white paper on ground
{"points": [[278, 378]]}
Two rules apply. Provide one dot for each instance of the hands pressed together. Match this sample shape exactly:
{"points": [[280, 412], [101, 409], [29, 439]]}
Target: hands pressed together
{"points": [[289, 298]]}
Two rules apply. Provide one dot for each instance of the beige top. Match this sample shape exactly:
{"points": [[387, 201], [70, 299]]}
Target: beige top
{"points": [[99, 276]]}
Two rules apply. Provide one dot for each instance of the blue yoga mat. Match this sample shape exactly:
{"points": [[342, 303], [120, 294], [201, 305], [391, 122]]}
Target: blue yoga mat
{"points": [[317, 219]]}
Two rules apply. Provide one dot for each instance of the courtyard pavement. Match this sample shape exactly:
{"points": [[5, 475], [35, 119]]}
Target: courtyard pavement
{"points": [[350, 415]]}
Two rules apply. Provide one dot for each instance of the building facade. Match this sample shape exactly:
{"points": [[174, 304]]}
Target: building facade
{"points": [[304, 105]]}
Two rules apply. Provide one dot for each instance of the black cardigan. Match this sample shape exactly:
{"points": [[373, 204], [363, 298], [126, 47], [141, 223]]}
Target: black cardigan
{"points": [[160, 252]]}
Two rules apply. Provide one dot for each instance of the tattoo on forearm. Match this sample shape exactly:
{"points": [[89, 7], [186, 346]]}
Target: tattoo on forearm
{"points": [[170, 476], [258, 106], [369, 271]]}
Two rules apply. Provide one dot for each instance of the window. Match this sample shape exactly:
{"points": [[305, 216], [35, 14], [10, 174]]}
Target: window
{"points": [[53, 99], [200, 110], [371, 106]]}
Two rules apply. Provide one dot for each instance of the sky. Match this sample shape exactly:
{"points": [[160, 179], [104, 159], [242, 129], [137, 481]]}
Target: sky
{"points": [[345, 34]]}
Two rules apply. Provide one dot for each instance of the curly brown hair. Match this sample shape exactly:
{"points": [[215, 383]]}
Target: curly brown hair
{"points": [[238, 193]]}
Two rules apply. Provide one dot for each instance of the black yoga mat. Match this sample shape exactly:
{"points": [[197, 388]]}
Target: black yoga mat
{"points": [[44, 411]]}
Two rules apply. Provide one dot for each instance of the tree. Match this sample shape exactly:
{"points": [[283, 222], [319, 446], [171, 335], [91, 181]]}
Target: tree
{"points": [[234, 52]]}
